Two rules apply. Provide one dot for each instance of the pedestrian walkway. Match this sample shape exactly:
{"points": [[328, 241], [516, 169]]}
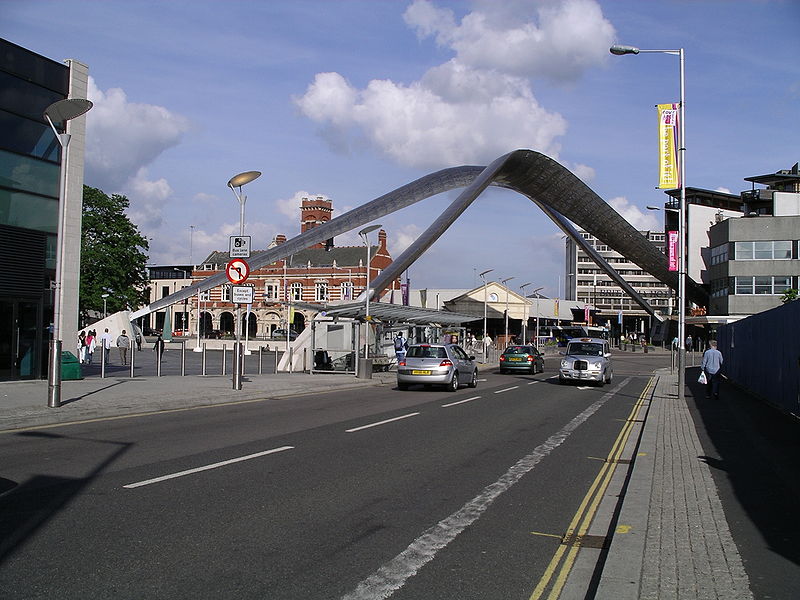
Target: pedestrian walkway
{"points": [[672, 540]]}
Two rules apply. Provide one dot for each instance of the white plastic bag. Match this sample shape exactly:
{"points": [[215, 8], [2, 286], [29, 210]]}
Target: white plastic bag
{"points": [[702, 379]]}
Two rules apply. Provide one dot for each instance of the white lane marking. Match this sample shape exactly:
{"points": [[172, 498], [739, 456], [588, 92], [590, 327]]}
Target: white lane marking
{"points": [[506, 390], [532, 382], [483, 380], [460, 401], [392, 576], [381, 422], [207, 467]]}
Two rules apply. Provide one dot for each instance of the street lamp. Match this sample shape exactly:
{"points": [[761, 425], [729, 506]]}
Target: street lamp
{"points": [[483, 277], [364, 233], [105, 311], [237, 181], [503, 281], [620, 50], [60, 111], [536, 291], [525, 313]]}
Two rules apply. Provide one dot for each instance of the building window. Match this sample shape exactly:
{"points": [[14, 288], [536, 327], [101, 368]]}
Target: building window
{"points": [[320, 291], [226, 293], [762, 285], [164, 291], [768, 250], [205, 296], [270, 291], [719, 254], [347, 290], [296, 291]]}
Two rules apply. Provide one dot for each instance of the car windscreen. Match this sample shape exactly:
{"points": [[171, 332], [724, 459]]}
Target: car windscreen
{"points": [[585, 349], [426, 352]]}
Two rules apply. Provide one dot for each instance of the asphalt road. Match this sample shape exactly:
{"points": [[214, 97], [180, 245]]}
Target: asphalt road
{"points": [[357, 494]]}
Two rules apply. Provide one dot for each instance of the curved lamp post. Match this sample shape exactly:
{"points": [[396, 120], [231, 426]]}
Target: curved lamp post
{"points": [[483, 277], [621, 50], [364, 233], [60, 111], [525, 314], [236, 182]]}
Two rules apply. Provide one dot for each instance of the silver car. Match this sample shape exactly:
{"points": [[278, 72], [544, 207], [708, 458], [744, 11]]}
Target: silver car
{"points": [[587, 359], [437, 364]]}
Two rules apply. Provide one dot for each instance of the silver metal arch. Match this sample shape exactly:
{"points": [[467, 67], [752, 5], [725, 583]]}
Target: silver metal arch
{"points": [[541, 179]]}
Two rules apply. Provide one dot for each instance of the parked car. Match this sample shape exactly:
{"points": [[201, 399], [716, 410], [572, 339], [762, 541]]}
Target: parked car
{"points": [[280, 334], [149, 331], [522, 358], [587, 359], [438, 364]]}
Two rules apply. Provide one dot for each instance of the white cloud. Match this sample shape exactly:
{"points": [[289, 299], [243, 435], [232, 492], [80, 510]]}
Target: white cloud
{"points": [[147, 199], [123, 136], [478, 105], [724, 190], [643, 221], [402, 238], [583, 172]]}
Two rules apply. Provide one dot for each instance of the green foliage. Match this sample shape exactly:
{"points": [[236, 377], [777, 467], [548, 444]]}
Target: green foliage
{"points": [[113, 255], [789, 295]]}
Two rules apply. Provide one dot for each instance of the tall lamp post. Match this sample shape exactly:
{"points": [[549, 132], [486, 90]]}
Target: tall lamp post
{"points": [[536, 291], [60, 111], [364, 233], [525, 313], [483, 278], [503, 281], [621, 50], [105, 305], [236, 182]]}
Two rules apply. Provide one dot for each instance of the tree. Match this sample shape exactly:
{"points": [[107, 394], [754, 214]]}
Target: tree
{"points": [[113, 255], [789, 295]]}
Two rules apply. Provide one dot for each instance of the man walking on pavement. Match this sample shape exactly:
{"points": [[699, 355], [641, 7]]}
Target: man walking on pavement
{"points": [[105, 342], [712, 363], [123, 342]]}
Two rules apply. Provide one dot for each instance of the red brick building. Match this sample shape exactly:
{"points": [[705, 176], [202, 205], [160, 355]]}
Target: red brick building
{"points": [[321, 273]]}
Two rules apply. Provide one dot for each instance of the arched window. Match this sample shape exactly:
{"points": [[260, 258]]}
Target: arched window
{"points": [[347, 290], [321, 291]]}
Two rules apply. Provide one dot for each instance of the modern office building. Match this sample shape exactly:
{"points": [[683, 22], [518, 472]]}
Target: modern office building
{"points": [[754, 259], [30, 161], [590, 286]]}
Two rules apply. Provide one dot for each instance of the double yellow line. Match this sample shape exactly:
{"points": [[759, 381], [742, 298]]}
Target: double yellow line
{"points": [[564, 558]]}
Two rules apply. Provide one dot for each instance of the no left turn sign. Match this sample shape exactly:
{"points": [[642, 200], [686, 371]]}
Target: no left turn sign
{"points": [[237, 271]]}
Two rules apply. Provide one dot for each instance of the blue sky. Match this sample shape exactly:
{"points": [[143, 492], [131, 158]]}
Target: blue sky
{"points": [[350, 99]]}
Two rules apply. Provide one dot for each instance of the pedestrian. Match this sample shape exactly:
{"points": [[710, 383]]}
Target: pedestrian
{"points": [[105, 342], [123, 343], [400, 347], [158, 347], [689, 342], [138, 340], [91, 344], [82, 347], [712, 364]]}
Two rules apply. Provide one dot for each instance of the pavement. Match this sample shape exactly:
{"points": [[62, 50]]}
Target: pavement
{"points": [[671, 540]]}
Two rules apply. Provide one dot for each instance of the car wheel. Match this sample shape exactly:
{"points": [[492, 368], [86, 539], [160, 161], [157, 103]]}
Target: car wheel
{"points": [[474, 381], [561, 380], [453, 385], [402, 386], [602, 381], [610, 377]]}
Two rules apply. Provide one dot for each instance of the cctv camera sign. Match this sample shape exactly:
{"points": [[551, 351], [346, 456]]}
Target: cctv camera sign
{"points": [[239, 246]]}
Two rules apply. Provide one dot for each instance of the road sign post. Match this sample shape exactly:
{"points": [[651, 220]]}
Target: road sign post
{"points": [[237, 271]]}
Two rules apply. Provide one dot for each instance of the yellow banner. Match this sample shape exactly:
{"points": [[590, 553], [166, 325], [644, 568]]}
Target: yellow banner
{"points": [[668, 175]]}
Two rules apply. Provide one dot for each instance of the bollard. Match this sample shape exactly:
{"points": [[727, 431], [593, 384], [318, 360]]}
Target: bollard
{"points": [[291, 356], [237, 366], [242, 353], [224, 359], [102, 362], [183, 358], [260, 355], [158, 362], [203, 359], [276, 361], [133, 357]]}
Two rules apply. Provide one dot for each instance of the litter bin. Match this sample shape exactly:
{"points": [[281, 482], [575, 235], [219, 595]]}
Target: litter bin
{"points": [[70, 367], [364, 368]]}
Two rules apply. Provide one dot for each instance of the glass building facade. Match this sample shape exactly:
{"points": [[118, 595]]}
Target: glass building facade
{"points": [[29, 187]]}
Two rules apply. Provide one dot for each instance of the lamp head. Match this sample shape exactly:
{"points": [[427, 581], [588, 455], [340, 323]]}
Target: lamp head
{"points": [[369, 229], [485, 272], [67, 109], [243, 178], [620, 49]]}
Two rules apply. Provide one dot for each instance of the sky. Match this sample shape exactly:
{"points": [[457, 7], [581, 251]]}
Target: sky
{"points": [[350, 99]]}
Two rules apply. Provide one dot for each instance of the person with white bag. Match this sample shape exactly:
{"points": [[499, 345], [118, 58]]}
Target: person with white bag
{"points": [[712, 363]]}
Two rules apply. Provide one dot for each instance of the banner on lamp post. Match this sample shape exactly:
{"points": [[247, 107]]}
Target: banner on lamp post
{"points": [[672, 250], [668, 175]]}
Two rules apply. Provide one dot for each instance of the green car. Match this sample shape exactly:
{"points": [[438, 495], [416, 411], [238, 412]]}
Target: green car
{"points": [[522, 358]]}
